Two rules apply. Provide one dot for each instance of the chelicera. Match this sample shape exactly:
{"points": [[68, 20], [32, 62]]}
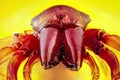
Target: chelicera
{"points": [[60, 35]]}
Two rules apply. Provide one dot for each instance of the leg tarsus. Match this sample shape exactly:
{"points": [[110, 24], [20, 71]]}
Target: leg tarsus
{"points": [[14, 63], [33, 58], [95, 70]]}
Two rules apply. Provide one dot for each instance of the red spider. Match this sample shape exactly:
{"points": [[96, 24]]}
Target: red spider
{"points": [[60, 36]]}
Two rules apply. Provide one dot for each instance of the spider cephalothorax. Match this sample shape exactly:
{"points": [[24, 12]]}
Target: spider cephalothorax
{"points": [[60, 35]]}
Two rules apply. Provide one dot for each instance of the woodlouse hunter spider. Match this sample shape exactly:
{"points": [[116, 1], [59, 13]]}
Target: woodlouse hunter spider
{"points": [[60, 36]]}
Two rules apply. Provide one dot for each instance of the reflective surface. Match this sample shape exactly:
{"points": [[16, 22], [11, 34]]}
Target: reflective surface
{"points": [[16, 16]]}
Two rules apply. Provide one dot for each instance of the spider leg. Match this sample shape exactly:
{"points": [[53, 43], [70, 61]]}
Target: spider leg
{"points": [[14, 64], [90, 61], [33, 58], [93, 41], [111, 40], [4, 52]]}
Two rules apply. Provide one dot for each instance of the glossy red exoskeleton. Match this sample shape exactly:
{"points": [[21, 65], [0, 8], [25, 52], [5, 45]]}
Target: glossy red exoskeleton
{"points": [[60, 35]]}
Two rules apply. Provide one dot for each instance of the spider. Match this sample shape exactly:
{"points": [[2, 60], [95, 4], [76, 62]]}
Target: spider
{"points": [[60, 35]]}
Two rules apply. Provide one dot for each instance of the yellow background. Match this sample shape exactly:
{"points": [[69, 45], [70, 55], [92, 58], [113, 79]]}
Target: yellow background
{"points": [[15, 16]]}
